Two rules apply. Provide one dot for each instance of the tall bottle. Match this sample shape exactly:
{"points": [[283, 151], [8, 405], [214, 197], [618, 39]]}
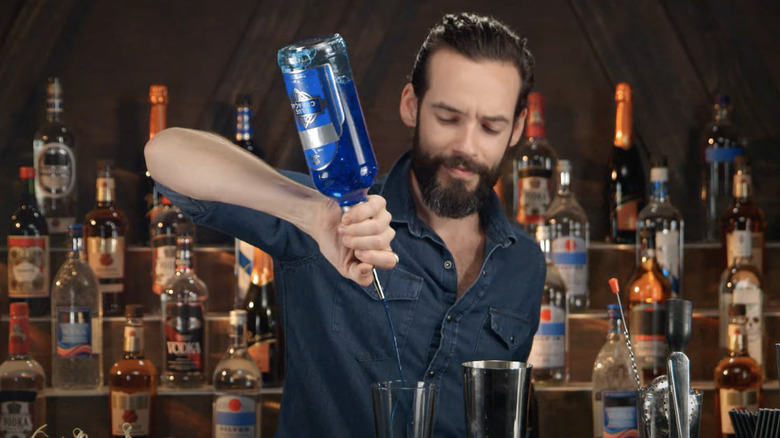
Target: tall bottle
{"points": [[743, 215], [613, 378], [184, 306], [77, 321], [648, 291], [105, 231], [264, 329], [22, 378], [55, 167], [168, 223], [548, 353], [625, 178], [737, 376], [741, 283], [237, 383], [158, 120], [720, 145], [28, 251], [132, 382], [245, 135], [661, 219], [570, 231]]}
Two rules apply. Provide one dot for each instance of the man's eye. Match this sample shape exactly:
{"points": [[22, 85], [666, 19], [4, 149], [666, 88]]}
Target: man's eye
{"points": [[490, 130], [448, 120]]}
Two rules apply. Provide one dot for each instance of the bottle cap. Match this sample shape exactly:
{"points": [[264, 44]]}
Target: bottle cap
{"points": [[722, 100], [659, 174], [26, 172], [623, 91], [134, 311], [237, 317], [19, 309], [158, 94], [737, 310]]}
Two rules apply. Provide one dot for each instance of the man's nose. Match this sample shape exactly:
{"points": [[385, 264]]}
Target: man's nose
{"points": [[467, 143]]}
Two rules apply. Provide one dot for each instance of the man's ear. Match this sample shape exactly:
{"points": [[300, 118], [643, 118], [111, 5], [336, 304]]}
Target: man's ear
{"points": [[517, 130], [408, 107]]}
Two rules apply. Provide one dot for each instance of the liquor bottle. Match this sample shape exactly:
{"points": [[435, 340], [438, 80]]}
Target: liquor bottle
{"points": [[737, 376], [184, 302], [570, 233], [661, 219], [548, 353], [237, 383], [743, 215], [720, 145], [28, 251], [625, 178], [648, 291], [77, 321], [132, 382], [158, 107], [22, 411], [168, 223], [613, 376], [245, 136], [264, 328], [55, 167], [105, 232], [529, 179], [741, 283]]}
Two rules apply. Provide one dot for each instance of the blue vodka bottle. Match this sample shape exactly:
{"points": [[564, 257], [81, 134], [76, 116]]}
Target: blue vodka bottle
{"points": [[329, 119]]}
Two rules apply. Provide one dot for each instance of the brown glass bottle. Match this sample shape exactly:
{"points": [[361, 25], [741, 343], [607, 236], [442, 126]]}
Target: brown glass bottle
{"points": [[132, 382], [149, 198], [264, 326], [737, 376], [105, 230], [743, 215]]}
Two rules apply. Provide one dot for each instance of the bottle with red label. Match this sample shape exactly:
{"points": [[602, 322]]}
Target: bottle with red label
{"points": [[22, 378], [264, 327], [28, 251], [133, 382], [184, 306]]}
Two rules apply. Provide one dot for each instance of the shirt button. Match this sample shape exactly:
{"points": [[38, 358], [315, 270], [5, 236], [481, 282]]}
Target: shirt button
{"points": [[512, 339], [431, 374], [484, 272], [449, 318], [447, 264]]}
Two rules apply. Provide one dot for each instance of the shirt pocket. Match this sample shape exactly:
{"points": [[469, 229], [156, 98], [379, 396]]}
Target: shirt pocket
{"points": [[360, 319], [502, 333]]}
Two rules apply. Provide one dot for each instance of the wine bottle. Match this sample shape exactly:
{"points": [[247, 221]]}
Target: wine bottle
{"points": [[264, 329]]}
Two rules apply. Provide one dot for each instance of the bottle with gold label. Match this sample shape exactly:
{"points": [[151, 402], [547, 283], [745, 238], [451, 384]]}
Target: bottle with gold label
{"points": [[264, 328], [743, 215], [105, 231]]}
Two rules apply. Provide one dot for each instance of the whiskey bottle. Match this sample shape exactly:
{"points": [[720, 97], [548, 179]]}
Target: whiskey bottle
{"points": [[743, 215], [168, 223], [264, 328]]}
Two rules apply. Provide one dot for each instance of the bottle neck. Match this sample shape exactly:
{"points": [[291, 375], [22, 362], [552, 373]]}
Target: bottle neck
{"points": [[659, 191], [623, 125], [614, 328], [19, 336], [53, 106], [742, 247], [76, 250], [743, 186], [184, 259], [134, 338], [28, 192], [564, 183], [737, 339], [721, 114], [535, 128], [244, 130], [237, 337], [106, 191], [157, 119]]}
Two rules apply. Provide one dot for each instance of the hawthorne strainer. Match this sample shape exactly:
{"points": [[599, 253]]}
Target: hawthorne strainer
{"points": [[655, 413]]}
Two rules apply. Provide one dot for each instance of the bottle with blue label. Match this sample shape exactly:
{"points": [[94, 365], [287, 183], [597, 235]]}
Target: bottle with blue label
{"points": [[329, 119]]}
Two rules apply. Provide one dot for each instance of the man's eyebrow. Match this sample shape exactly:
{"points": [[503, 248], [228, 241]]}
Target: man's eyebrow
{"points": [[496, 119]]}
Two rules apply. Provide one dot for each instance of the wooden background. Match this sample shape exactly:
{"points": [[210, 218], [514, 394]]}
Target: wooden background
{"points": [[677, 55]]}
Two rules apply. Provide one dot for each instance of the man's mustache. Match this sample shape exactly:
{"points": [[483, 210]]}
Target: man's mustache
{"points": [[462, 162]]}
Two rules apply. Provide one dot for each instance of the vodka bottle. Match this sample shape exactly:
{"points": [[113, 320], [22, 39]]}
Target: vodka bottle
{"points": [[168, 223], [743, 215], [612, 372], [237, 384], [55, 167], [570, 233], [28, 251], [264, 328], [77, 321], [22, 378], [548, 353], [661, 219], [184, 307]]}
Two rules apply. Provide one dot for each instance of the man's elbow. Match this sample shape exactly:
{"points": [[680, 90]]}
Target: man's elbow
{"points": [[157, 152]]}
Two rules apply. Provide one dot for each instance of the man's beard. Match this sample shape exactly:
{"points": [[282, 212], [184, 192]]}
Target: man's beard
{"points": [[451, 199]]}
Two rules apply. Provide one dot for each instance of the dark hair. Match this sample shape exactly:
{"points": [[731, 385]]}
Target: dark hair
{"points": [[478, 38]]}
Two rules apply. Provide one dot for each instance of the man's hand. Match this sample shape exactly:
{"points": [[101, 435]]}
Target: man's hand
{"points": [[356, 241]]}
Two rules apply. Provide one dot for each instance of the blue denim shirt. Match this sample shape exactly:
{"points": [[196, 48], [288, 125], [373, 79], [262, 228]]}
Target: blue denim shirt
{"points": [[338, 342]]}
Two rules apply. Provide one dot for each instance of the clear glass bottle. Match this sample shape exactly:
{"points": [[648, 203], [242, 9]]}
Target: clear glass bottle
{"points": [[265, 336], [22, 378], [105, 232], [132, 382], [663, 220], [168, 223], [737, 376], [548, 353], [743, 215], [237, 384], [612, 371], [77, 321], [741, 283], [184, 305], [55, 167], [570, 231], [720, 145], [28, 251]]}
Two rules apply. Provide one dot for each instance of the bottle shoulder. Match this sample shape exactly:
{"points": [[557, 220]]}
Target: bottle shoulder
{"points": [[21, 367], [186, 286], [54, 131], [136, 366], [566, 209], [741, 276], [28, 221]]}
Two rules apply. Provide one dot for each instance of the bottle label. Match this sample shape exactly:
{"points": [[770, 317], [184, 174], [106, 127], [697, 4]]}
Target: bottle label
{"points": [[620, 419], [534, 198], [105, 188], [164, 263], [667, 253], [74, 331], [752, 298], [235, 416], [319, 113], [59, 225], [107, 259], [261, 354], [184, 327], [744, 243], [19, 336], [626, 211], [56, 169], [548, 350], [648, 335], [17, 410], [734, 399], [244, 262], [132, 408], [571, 258], [28, 266], [722, 154]]}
